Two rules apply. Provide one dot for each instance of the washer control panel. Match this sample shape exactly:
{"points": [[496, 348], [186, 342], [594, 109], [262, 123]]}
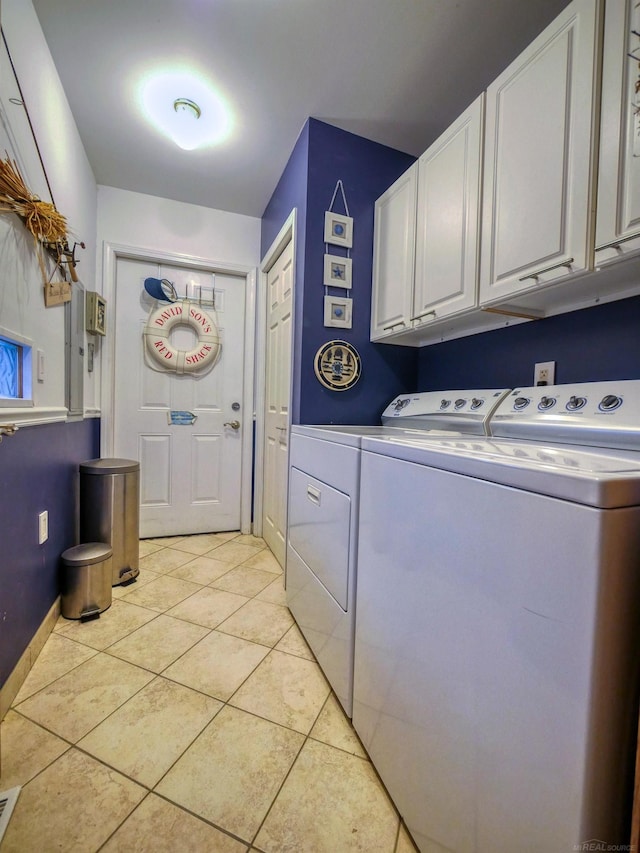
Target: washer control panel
{"points": [[604, 414]]}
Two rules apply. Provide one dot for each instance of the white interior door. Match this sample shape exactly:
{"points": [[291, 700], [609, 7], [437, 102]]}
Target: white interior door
{"points": [[277, 394], [190, 474]]}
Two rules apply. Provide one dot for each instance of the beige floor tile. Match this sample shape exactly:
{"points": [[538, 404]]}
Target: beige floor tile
{"points": [[264, 560], [164, 541], [78, 701], [143, 579], [405, 842], [164, 828], [285, 689], [234, 553], [295, 644], [115, 623], [202, 570], [72, 806], [259, 621], [198, 544], [147, 547], [162, 593], [244, 581], [145, 736], [158, 643], [26, 750], [208, 607], [248, 539], [275, 592], [330, 801], [228, 536], [165, 560], [217, 665], [59, 655], [233, 771], [334, 728]]}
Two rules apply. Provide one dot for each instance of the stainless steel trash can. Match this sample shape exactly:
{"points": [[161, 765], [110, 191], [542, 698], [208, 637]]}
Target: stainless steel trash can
{"points": [[110, 511], [86, 581]]}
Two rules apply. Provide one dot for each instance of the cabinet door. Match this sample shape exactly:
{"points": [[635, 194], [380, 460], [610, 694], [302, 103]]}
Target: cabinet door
{"points": [[538, 175], [393, 256], [618, 222], [447, 237]]}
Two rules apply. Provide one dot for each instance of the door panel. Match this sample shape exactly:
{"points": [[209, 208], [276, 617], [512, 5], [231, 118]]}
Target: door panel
{"points": [[190, 474], [277, 392]]}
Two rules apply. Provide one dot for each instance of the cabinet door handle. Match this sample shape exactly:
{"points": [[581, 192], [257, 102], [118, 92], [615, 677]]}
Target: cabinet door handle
{"points": [[425, 314], [313, 494], [547, 269], [615, 244], [393, 325]]}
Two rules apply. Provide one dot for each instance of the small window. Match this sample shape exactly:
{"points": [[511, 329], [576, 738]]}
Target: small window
{"points": [[15, 370]]}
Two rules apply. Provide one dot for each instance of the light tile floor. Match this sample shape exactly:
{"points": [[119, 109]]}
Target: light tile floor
{"points": [[191, 716]]}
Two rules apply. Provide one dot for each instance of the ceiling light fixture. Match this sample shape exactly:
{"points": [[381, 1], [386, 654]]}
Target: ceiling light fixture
{"points": [[185, 134], [184, 105], [202, 120]]}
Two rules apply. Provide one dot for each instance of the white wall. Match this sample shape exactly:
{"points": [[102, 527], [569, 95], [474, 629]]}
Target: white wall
{"points": [[74, 191], [147, 222]]}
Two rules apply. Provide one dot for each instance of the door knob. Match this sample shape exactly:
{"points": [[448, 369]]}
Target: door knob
{"points": [[232, 424]]}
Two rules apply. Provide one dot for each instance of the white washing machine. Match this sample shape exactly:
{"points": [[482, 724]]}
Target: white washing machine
{"points": [[497, 630], [324, 490]]}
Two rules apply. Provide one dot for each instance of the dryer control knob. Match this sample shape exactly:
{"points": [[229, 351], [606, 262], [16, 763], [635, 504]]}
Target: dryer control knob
{"points": [[546, 403], [475, 403], [459, 403], [576, 403], [445, 403], [521, 403]]}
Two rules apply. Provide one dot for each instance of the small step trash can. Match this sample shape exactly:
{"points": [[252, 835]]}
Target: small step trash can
{"points": [[86, 581], [110, 512]]}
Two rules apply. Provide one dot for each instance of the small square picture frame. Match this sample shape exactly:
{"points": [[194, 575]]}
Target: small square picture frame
{"points": [[338, 229], [337, 311], [337, 271]]}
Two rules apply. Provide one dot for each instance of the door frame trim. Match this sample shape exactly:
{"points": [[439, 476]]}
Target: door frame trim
{"points": [[286, 235], [112, 252]]}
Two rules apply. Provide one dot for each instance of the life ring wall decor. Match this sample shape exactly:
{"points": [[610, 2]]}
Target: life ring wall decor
{"points": [[337, 365], [165, 357]]}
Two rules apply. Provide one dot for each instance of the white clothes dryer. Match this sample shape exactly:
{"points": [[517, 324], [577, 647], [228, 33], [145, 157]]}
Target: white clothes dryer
{"points": [[324, 495]]}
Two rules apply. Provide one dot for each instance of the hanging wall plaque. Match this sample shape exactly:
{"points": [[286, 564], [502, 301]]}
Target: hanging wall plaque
{"points": [[337, 365]]}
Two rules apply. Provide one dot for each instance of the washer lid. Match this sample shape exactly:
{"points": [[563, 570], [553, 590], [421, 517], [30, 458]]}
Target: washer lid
{"points": [[599, 478]]}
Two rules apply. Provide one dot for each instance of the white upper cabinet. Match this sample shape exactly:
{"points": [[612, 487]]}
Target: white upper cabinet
{"points": [[618, 221], [393, 256], [537, 224], [447, 236]]}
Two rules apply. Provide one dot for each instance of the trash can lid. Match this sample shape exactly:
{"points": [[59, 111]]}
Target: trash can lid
{"points": [[109, 466], [86, 554]]}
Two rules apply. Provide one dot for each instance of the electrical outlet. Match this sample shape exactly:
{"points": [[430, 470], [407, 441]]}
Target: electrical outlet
{"points": [[43, 527], [544, 373]]}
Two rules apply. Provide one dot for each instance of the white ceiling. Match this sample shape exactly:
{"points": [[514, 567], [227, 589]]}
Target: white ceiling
{"points": [[395, 71]]}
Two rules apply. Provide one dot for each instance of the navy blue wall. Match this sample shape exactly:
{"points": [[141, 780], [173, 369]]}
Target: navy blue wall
{"points": [[290, 194], [588, 345], [366, 170], [38, 471]]}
